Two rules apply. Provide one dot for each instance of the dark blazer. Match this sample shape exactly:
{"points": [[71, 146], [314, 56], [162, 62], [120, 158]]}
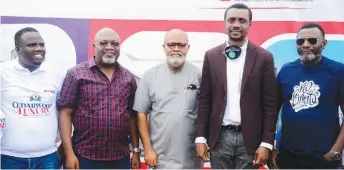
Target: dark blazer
{"points": [[257, 102]]}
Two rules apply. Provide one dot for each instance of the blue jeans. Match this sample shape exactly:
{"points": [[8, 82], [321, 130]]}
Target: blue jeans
{"points": [[84, 163], [51, 161]]}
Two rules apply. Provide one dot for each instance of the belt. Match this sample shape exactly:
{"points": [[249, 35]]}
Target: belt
{"points": [[233, 128]]}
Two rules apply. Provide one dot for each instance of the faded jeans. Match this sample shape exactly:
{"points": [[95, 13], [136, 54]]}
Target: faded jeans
{"points": [[229, 152], [51, 161]]}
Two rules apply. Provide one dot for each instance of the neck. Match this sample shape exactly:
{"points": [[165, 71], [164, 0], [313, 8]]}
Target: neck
{"points": [[31, 68], [237, 43], [313, 62]]}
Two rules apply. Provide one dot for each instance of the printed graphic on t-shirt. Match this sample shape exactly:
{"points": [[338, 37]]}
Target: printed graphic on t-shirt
{"points": [[305, 96], [35, 107]]}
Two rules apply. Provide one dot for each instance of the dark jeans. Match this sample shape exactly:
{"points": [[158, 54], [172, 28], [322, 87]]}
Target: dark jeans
{"points": [[84, 163], [230, 152], [51, 161], [289, 160]]}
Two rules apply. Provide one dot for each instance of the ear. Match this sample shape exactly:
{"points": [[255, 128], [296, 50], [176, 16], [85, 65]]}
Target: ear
{"points": [[17, 49], [324, 43]]}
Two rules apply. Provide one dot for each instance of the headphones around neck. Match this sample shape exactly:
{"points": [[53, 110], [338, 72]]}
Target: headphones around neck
{"points": [[232, 52]]}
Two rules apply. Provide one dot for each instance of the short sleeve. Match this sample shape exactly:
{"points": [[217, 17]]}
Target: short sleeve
{"points": [[132, 95], [142, 102], [69, 91], [341, 85]]}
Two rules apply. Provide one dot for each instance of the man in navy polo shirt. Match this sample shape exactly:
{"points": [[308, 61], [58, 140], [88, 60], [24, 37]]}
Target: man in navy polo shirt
{"points": [[311, 89]]}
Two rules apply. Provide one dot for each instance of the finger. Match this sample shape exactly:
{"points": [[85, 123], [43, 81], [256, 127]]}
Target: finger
{"points": [[151, 162], [258, 160], [255, 158], [154, 162], [204, 158], [132, 165], [207, 155], [274, 164], [77, 164]]}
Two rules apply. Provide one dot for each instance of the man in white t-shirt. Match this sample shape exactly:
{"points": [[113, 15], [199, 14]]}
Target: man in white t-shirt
{"points": [[29, 89]]}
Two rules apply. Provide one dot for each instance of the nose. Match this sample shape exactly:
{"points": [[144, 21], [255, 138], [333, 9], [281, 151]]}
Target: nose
{"points": [[236, 24], [109, 46]]}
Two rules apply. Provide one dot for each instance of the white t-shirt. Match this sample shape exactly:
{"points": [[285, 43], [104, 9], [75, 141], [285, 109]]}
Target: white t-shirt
{"points": [[28, 102]]}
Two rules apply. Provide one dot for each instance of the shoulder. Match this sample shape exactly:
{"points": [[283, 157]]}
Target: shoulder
{"points": [[81, 67], [193, 68], [7, 68], [154, 70], [57, 74], [336, 66], [126, 73], [288, 67], [8, 64], [333, 63], [261, 52]]}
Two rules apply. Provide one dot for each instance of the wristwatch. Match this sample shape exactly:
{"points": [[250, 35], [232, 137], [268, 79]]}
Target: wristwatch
{"points": [[136, 150], [336, 155]]}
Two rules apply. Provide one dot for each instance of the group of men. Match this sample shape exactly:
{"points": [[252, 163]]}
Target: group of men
{"points": [[180, 112]]}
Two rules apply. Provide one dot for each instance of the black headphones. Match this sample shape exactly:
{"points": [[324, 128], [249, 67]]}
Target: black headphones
{"points": [[232, 52]]}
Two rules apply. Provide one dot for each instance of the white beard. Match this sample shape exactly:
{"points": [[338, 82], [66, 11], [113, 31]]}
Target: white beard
{"points": [[109, 59], [306, 58], [176, 61]]}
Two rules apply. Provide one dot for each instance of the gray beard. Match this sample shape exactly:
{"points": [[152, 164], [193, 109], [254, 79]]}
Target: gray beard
{"points": [[108, 59], [308, 58]]}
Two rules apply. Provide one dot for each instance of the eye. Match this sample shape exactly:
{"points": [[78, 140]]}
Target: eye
{"points": [[243, 21], [102, 43], [231, 20], [115, 44]]}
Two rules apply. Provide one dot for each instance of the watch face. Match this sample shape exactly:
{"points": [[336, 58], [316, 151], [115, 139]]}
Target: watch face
{"points": [[337, 157]]}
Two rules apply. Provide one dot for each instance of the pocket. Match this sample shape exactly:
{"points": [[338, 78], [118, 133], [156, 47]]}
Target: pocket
{"points": [[191, 100]]}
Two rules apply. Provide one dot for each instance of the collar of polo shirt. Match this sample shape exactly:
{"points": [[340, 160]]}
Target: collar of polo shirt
{"points": [[43, 67]]}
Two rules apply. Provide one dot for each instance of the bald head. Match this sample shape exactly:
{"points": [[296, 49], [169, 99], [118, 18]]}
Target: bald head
{"points": [[105, 34], [176, 47], [106, 46], [176, 34]]}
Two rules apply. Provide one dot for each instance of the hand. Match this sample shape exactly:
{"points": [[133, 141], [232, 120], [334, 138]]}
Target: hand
{"points": [[71, 161], [60, 151], [135, 161], [201, 151], [273, 158], [151, 157], [328, 157], [261, 156]]}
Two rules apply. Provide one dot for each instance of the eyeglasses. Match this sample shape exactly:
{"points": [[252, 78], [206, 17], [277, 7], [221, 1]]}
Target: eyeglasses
{"points": [[173, 45], [312, 41]]}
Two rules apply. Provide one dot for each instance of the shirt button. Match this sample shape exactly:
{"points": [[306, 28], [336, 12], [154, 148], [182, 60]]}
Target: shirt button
{"points": [[225, 98], [221, 115]]}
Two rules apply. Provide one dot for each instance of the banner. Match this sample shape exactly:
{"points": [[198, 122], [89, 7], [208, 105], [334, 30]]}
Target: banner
{"points": [[68, 27]]}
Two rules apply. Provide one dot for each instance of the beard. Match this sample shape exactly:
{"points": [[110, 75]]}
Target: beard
{"points": [[312, 56], [176, 60], [109, 59], [308, 57]]}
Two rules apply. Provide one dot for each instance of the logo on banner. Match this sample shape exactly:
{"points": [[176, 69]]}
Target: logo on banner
{"points": [[33, 108], [305, 96]]}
